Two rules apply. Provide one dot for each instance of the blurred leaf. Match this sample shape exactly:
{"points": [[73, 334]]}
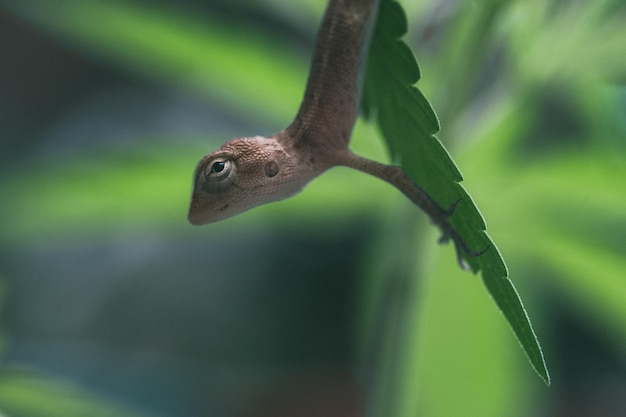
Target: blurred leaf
{"points": [[198, 52], [463, 352], [27, 395], [570, 40], [141, 189], [408, 124], [570, 212]]}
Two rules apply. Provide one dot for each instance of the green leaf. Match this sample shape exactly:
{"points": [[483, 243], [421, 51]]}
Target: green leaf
{"points": [[408, 124]]}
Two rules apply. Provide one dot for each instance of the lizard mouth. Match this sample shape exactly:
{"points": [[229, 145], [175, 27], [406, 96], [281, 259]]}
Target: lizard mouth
{"points": [[197, 211], [203, 210]]}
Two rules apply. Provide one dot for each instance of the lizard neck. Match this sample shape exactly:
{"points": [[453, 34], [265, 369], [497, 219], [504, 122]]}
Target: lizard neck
{"points": [[330, 104]]}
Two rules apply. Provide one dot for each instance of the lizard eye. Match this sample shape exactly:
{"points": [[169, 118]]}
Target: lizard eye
{"points": [[217, 167], [219, 175]]}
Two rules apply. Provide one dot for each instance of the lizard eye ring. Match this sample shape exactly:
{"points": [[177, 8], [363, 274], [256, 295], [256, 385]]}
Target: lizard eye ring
{"points": [[219, 174]]}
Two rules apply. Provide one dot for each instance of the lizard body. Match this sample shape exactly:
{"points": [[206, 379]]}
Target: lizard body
{"points": [[247, 172]]}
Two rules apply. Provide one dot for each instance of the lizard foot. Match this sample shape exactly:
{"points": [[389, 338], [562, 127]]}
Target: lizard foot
{"points": [[461, 247], [449, 233]]}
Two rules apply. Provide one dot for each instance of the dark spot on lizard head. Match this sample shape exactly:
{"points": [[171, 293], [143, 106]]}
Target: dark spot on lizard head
{"points": [[224, 207], [271, 169]]}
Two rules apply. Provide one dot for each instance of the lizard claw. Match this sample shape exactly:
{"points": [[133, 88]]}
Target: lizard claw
{"points": [[452, 208], [461, 247]]}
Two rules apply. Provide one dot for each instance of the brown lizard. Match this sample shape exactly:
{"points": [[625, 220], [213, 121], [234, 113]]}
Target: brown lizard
{"points": [[250, 171]]}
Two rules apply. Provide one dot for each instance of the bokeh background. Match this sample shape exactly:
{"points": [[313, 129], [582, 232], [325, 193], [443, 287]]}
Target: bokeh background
{"points": [[336, 302]]}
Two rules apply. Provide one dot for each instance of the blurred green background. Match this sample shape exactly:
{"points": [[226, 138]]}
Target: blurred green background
{"points": [[337, 301]]}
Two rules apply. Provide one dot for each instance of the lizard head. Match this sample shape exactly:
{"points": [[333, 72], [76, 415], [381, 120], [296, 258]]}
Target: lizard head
{"points": [[242, 174]]}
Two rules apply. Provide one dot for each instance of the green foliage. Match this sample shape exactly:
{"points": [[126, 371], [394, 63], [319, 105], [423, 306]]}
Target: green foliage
{"points": [[408, 124]]}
